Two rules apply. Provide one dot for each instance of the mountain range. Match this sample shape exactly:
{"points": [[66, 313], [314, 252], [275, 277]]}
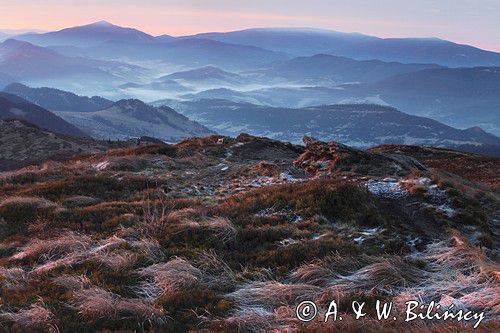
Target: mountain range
{"points": [[41, 66], [270, 68], [209, 75], [94, 117], [58, 100], [87, 35], [307, 42], [460, 97], [132, 118], [359, 125], [14, 107], [25, 60], [193, 52], [327, 69]]}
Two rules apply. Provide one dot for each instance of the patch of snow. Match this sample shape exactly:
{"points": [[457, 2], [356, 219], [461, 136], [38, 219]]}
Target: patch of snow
{"points": [[367, 234], [316, 237], [445, 209], [386, 189], [101, 166], [287, 242]]}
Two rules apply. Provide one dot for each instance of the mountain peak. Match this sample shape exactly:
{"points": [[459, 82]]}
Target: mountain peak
{"points": [[130, 104], [14, 42], [102, 24]]}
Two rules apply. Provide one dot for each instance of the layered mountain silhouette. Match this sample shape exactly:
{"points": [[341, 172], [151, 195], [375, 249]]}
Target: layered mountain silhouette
{"points": [[132, 118], [294, 41], [283, 68], [192, 80], [206, 75], [423, 50], [88, 35], [26, 61], [362, 47], [14, 107], [332, 69], [360, 125], [461, 97], [58, 100], [194, 52]]}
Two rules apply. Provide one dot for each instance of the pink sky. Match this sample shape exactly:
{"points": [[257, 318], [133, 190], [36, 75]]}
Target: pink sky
{"points": [[472, 22]]}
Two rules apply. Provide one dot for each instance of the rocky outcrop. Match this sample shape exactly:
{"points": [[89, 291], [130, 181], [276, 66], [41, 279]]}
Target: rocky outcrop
{"points": [[332, 157]]}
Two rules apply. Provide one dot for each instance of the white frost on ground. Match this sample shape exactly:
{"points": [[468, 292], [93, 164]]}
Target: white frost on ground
{"points": [[367, 234], [101, 166], [289, 214], [390, 190], [316, 237], [445, 209], [245, 183], [288, 242]]}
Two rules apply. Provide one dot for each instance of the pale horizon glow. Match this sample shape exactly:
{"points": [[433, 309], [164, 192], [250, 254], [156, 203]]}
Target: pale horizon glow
{"points": [[473, 22]]}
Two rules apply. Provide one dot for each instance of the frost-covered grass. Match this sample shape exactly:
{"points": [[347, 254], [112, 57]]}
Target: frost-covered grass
{"points": [[154, 241]]}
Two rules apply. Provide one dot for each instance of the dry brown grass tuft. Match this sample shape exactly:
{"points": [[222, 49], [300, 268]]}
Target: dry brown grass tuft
{"points": [[174, 275], [36, 318], [272, 294], [53, 248], [27, 203], [94, 304], [216, 273], [390, 275], [257, 320], [325, 272], [117, 261], [71, 282], [12, 277], [456, 254]]}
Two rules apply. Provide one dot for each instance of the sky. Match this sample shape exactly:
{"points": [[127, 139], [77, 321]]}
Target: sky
{"points": [[474, 22]]}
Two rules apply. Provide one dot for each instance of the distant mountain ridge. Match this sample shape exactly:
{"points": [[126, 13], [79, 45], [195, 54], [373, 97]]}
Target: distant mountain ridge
{"points": [[292, 41], [87, 35], [462, 97], [308, 42], [421, 50], [207, 74], [131, 118], [14, 107], [359, 125], [459, 97], [193, 52], [324, 67], [58, 100], [24, 60]]}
